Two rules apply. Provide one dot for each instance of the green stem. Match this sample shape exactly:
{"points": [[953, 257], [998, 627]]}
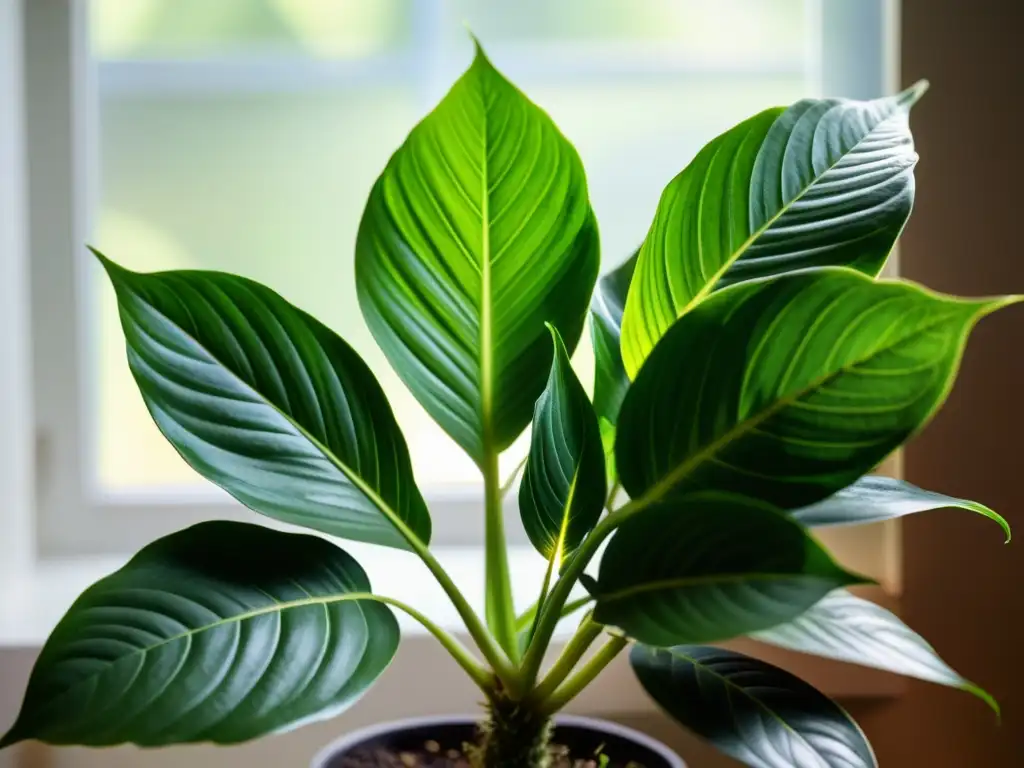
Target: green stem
{"points": [[499, 606], [585, 635], [569, 690], [612, 493], [552, 611], [458, 651]]}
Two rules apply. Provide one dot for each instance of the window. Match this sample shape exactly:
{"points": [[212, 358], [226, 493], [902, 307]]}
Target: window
{"points": [[244, 135]]}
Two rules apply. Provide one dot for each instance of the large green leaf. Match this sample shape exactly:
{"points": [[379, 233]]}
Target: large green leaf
{"points": [[222, 632], [269, 404], [875, 498], [848, 628], [790, 389], [752, 711], [825, 182], [563, 489], [478, 231], [610, 379], [710, 567]]}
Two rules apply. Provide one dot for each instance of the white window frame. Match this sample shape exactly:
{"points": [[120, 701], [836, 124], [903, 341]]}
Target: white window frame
{"points": [[857, 57]]}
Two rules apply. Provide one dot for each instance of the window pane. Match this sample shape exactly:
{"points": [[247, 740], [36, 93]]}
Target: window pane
{"points": [[270, 182], [141, 29]]}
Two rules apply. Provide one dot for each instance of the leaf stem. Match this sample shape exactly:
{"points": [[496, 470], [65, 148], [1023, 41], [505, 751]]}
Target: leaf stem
{"points": [[551, 612], [499, 606], [585, 635], [465, 659], [511, 480], [569, 690]]}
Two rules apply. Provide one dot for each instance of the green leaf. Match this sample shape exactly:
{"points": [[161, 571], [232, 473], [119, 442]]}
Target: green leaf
{"points": [[790, 389], [269, 404], [752, 711], [847, 628], [825, 182], [875, 498], [710, 567], [478, 231], [610, 379], [223, 632], [563, 490]]}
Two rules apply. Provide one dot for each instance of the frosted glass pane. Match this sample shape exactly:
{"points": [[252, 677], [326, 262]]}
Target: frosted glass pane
{"points": [[719, 28], [140, 29], [272, 184]]}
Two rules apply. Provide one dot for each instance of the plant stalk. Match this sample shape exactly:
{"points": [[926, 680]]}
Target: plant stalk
{"points": [[499, 607], [463, 657], [588, 631], [572, 687], [552, 611], [513, 736]]}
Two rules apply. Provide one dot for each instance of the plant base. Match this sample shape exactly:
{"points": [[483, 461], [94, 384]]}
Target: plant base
{"points": [[512, 737]]}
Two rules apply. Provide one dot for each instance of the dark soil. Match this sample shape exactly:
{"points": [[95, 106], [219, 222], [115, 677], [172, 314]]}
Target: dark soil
{"points": [[433, 754]]}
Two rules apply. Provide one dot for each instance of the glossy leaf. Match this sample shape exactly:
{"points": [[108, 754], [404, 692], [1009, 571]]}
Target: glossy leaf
{"points": [[875, 498], [790, 389], [269, 404], [223, 632], [610, 379], [478, 231], [563, 490], [844, 627], [752, 711], [710, 567], [824, 182]]}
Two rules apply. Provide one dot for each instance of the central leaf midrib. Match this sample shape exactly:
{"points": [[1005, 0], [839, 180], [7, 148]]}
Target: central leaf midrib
{"points": [[486, 298]]}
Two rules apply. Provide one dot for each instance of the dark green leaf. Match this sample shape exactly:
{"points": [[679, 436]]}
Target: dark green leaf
{"points": [[710, 567], [875, 498], [563, 490], [848, 628], [752, 711], [269, 404], [790, 389], [222, 632], [825, 182], [610, 379], [477, 232]]}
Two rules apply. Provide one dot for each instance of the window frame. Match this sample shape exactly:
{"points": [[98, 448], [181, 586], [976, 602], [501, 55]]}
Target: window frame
{"points": [[855, 54]]}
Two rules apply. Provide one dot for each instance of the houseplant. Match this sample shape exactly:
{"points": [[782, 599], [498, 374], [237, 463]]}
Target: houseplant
{"points": [[751, 372]]}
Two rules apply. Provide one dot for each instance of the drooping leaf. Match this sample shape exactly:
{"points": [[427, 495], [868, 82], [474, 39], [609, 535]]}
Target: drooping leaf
{"points": [[610, 379], [790, 389], [222, 632], [752, 711], [478, 231], [563, 489], [269, 404], [824, 182], [845, 627], [875, 498], [710, 567]]}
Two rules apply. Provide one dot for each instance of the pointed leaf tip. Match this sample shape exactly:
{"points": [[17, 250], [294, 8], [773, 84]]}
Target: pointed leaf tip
{"points": [[913, 94]]}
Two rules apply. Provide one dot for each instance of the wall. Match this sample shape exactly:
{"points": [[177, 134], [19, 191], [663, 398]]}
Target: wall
{"points": [[961, 587]]}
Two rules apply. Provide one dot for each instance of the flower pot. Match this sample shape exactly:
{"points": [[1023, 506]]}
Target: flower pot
{"points": [[583, 736]]}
